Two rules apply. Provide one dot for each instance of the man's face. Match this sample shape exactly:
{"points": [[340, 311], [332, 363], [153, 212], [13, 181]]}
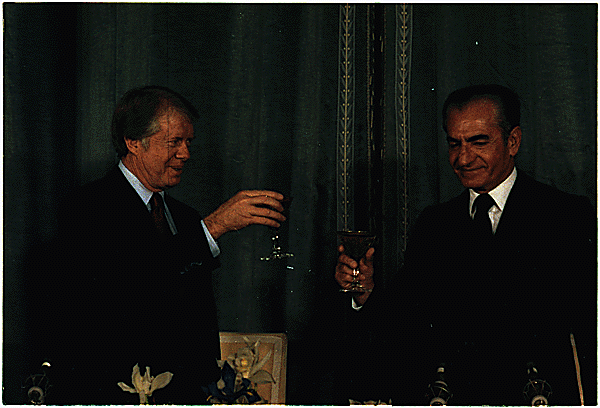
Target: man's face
{"points": [[478, 154], [160, 165]]}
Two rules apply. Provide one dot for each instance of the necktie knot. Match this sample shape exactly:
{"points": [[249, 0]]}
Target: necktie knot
{"points": [[157, 210], [483, 203]]}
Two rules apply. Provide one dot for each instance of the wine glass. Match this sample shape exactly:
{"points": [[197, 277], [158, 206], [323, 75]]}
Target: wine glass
{"points": [[276, 252], [356, 244]]}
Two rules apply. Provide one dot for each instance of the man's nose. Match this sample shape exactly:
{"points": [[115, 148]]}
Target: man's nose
{"points": [[465, 156], [183, 152]]}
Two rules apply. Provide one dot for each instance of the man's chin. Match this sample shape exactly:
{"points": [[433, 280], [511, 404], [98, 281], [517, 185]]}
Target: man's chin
{"points": [[173, 181], [478, 188], [471, 183]]}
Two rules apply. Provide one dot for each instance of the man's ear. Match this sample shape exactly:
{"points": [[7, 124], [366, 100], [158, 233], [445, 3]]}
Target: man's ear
{"points": [[514, 140], [133, 145]]}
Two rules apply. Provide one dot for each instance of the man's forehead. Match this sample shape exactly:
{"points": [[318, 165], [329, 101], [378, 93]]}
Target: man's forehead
{"points": [[473, 125]]}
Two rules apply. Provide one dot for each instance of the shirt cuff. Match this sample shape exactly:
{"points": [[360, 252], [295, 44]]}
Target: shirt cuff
{"points": [[214, 247]]}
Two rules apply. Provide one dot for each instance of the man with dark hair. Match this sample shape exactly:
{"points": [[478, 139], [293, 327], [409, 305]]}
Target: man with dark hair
{"points": [[494, 279], [132, 282], [138, 111], [509, 106]]}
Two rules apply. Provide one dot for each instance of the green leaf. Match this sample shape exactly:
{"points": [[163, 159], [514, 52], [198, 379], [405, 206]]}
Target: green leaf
{"points": [[262, 377], [261, 364]]}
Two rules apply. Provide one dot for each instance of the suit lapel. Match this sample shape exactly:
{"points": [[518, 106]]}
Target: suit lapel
{"points": [[460, 209], [133, 212], [515, 213]]}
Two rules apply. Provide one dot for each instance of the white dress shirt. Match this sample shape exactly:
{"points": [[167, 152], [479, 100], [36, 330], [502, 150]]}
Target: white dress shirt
{"points": [[146, 195], [500, 195]]}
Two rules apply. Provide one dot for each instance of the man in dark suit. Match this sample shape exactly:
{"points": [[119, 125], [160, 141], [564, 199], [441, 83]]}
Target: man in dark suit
{"points": [[487, 295], [130, 281]]}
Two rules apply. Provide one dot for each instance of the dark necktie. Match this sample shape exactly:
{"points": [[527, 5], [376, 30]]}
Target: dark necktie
{"points": [[482, 221], [157, 206]]}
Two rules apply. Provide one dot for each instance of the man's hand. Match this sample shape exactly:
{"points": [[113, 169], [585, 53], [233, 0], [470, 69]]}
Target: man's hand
{"points": [[246, 208], [344, 273]]}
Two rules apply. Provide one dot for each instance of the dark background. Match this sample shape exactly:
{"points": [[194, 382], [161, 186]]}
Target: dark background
{"points": [[265, 79]]}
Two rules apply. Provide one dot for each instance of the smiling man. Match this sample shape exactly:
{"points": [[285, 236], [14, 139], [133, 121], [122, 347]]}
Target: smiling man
{"points": [[481, 152], [158, 160], [128, 280], [493, 279]]}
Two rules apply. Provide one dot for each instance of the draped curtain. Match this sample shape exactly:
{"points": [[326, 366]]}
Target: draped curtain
{"points": [[266, 80]]}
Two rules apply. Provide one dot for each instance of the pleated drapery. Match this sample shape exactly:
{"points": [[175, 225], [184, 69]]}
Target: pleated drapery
{"points": [[266, 80]]}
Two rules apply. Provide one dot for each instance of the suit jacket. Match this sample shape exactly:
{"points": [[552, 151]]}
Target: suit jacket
{"points": [[120, 295], [486, 309]]}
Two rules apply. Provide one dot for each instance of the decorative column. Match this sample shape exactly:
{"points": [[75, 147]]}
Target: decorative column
{"points": [[402, 105], [345, 127]]}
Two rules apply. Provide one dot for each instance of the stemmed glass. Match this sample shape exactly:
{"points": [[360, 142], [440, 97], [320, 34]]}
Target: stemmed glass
{"points": [[276, 252], [356, 244]]}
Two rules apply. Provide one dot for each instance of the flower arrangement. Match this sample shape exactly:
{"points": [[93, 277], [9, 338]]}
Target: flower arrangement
{"points": [[146, 385], [240, 374]]}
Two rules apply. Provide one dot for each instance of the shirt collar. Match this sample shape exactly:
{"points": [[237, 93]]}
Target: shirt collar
{"points": [[142, 191], [499, 194]]}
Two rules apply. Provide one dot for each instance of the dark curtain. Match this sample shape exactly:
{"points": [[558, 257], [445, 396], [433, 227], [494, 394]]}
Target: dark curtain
{"points": [[265, 79], [547, 53]]}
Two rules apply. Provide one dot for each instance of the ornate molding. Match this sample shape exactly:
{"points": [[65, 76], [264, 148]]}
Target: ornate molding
{"points": [[345, 127], [402, 101]]}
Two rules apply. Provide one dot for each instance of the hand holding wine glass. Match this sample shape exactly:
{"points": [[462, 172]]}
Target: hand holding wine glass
{"points": [[250, 207], [356, 257], [276, 252]]}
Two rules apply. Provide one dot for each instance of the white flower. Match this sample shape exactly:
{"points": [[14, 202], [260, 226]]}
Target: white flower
{"points": [[247, 364], [146, 385]]}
